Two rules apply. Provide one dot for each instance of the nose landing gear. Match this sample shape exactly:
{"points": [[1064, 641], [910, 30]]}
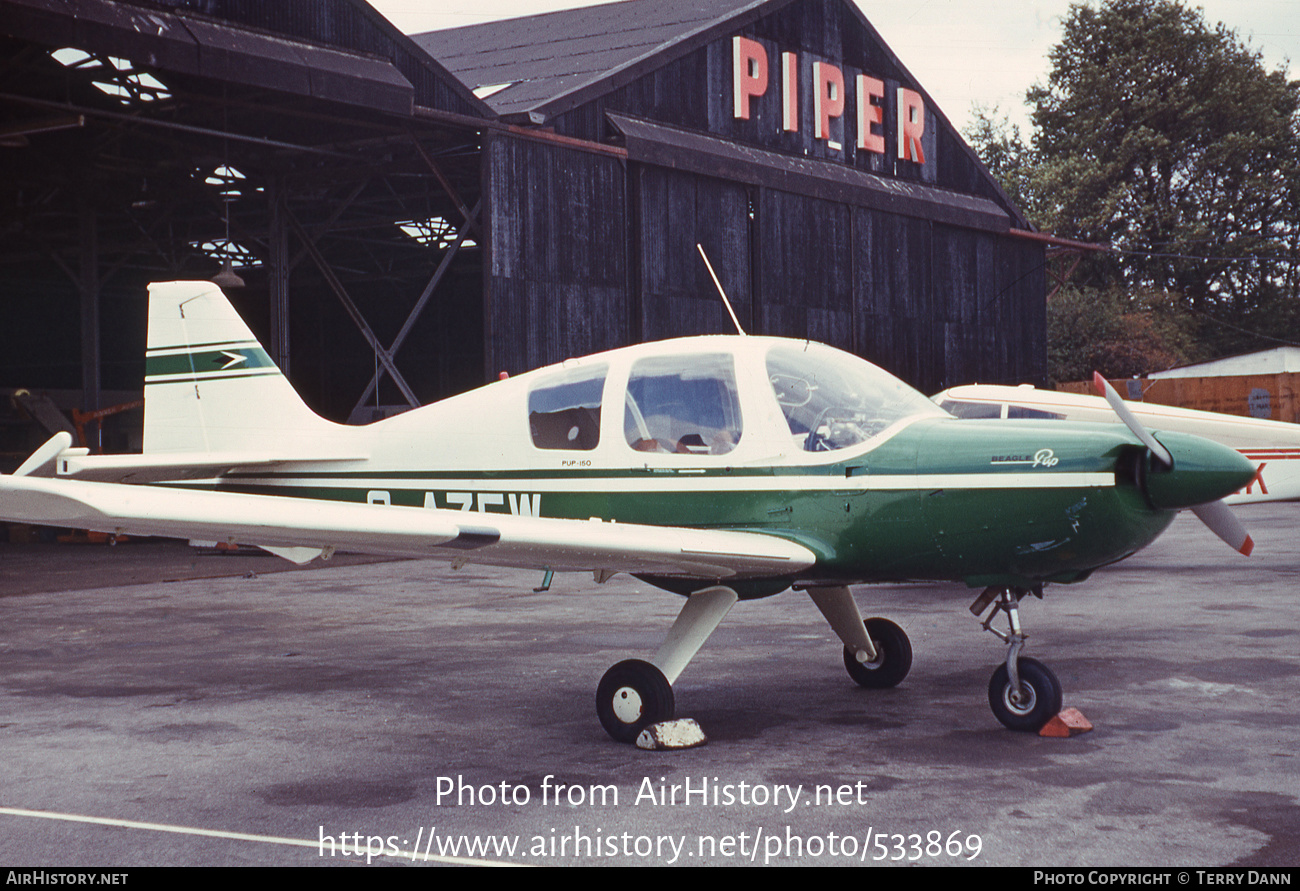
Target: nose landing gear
{"points": [[1023, 693]]}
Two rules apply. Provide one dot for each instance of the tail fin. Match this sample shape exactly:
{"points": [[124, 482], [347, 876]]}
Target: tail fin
{"points": [[209, 385]]}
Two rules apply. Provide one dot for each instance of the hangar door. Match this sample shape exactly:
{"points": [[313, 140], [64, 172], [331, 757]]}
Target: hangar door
{"points": [[675, 212]]}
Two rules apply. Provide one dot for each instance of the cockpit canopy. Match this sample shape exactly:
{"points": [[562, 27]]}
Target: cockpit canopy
{"points": [[711, 396]]}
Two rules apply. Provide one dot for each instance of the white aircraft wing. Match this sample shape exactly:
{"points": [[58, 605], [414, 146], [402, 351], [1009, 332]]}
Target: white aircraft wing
{"points": [[301, 529]]}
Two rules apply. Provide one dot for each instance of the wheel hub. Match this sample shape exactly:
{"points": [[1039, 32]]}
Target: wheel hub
{"points": [[627, 705], [1021, 701], [867, 662]]}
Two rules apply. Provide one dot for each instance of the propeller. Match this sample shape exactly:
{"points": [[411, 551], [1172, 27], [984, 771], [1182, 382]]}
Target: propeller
{"points": [[1214, 514], [1104, 388]]}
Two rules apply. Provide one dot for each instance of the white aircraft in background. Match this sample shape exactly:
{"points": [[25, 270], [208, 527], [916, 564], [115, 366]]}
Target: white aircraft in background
{"points": [[1272, 446]]}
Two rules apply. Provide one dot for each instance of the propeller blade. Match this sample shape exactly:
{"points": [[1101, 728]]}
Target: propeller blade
{"points": [[1223, 523], [1105, 389]]}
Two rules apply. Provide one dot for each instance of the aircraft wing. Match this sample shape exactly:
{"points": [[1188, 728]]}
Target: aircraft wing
{"points": [[301, 529]]}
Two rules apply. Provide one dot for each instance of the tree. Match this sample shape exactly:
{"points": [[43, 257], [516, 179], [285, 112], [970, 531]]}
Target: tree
{"points": [[1116, 333], [1169, 140], [1004, 152]]}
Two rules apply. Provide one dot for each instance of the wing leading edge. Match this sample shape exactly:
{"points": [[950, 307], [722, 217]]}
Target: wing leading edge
{"points": [[300, 529]]}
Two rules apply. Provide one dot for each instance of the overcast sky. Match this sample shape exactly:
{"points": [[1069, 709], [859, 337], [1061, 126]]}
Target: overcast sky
{"points": [[963, 52]]}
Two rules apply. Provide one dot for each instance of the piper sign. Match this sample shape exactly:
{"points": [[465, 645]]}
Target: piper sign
{"points": [[750, 80]]}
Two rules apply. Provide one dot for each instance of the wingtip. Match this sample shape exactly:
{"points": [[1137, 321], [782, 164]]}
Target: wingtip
{"points": [[1099, 383], [1247, 546]]}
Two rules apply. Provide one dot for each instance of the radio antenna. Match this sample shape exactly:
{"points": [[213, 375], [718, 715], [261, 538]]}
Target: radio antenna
{"points": [[717, 284]]}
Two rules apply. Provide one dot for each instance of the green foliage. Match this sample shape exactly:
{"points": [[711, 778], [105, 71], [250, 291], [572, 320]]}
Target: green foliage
{"points": [[1094, 330], [1002, 149], [1167, 139]]}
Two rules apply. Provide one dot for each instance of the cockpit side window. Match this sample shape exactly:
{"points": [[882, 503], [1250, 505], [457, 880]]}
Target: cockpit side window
{"points": [[684, 404], [564, 409]]}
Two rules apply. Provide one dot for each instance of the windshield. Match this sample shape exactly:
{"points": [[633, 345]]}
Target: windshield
{"points": [[834, 400]]}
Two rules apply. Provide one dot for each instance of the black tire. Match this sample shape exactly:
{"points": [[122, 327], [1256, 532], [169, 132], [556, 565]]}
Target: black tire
{"points": [[631, 696], [894, 657], [1037, 682]]}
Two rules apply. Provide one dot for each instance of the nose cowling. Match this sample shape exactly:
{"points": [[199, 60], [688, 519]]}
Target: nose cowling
{"points": [[1203, 471]]}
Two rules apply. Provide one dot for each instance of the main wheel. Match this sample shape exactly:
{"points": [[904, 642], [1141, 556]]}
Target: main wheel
{"points": [[1040, 696], [893, 657], [632, 695]]}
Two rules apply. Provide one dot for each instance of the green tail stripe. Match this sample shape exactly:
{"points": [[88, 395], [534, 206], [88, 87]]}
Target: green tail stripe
{"points": [[207, 361]]}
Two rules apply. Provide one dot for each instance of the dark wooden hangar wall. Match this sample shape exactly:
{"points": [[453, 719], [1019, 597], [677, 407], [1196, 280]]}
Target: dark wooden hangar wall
{"points": [[588, 252], [682, 92], [556, 271]]}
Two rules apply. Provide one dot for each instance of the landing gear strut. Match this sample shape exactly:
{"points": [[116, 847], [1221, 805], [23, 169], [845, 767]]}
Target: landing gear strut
{"points": [[1023, 693]]}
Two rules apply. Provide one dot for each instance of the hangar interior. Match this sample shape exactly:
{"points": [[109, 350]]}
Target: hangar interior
{"points": [[410, 215]]}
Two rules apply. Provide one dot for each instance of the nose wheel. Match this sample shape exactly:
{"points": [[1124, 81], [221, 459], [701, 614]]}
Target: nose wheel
{"points": [[1031, 705]]}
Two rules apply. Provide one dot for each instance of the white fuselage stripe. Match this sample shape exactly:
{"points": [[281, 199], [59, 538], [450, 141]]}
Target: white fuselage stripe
{"points": [[684, 482], [247, 342]]}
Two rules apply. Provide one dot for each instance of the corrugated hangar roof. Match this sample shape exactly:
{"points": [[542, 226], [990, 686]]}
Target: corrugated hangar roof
{"points": [[519, 65]]}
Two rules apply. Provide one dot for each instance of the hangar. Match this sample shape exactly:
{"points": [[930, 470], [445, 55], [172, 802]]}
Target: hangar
{"points": [[411, 215]]}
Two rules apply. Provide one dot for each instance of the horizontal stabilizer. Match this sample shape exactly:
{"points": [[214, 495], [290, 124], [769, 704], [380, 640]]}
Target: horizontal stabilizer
{"points": [[42, 461], [175, 466]]}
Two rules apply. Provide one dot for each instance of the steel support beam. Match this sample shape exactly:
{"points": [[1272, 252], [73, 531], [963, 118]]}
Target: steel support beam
{"points": [[470, 220], [381, 355], [278, 244], [470, 216], [88, 285]]}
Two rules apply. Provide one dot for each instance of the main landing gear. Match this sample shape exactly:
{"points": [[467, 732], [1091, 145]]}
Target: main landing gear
{"points": [[635, 694], [1023, 693], [877, 653]]}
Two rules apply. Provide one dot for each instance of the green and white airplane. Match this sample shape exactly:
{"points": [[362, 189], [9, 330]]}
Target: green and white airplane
{"points": [[721, 468]]}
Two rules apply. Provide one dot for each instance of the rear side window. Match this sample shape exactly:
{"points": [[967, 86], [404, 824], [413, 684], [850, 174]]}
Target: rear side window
{"points": [[684, 405], [564, 409]]}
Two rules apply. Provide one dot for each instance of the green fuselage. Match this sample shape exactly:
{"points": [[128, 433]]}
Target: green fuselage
{"points": [[996, 502]]}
